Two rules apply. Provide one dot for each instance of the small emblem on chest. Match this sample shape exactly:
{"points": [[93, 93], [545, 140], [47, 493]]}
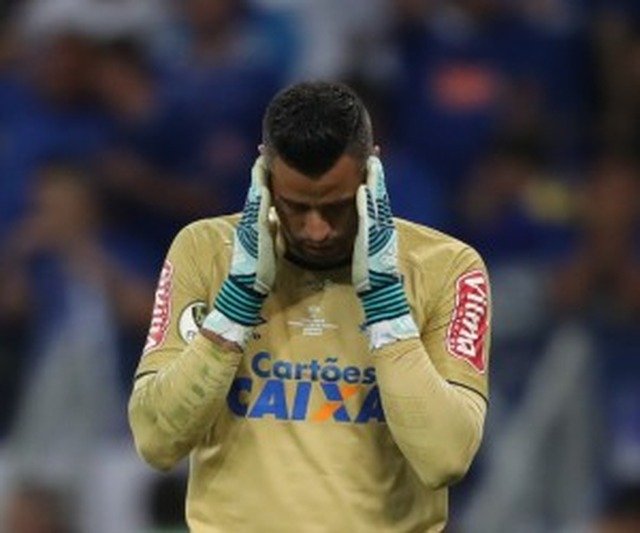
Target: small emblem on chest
{"points": [[314, 324]]}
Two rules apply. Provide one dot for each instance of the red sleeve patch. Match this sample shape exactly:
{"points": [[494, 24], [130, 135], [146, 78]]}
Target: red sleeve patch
{"points": [[469, 323], [161, 309]]}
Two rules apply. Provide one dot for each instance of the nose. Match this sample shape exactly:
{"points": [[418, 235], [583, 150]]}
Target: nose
{"points": [[316, 228]]}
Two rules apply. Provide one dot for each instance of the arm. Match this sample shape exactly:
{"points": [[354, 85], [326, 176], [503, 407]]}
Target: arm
{"points": [[179, 388], [172, 409], [436, 422], [437, 425], [180, 391]]}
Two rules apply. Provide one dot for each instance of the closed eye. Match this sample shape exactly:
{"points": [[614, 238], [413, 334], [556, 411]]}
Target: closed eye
{"points": [[325, 208], [336, 208]]}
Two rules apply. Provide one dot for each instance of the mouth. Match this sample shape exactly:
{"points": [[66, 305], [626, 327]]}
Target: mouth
{"points": [[319, 255], [318, 249]]}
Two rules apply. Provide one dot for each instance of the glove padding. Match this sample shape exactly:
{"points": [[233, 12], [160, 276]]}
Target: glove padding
{"points": [[253, 261], [252, 272], [375, 272]]}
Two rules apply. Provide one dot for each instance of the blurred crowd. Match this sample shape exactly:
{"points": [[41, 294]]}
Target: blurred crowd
{"points": [[513, 125]]}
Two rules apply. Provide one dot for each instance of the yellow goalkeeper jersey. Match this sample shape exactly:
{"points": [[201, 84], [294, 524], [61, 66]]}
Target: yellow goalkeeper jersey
{"points": [[302, 443]]}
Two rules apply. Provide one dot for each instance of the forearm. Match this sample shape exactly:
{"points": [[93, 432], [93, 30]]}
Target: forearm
{"points": [[171, 410], [437, 426]]}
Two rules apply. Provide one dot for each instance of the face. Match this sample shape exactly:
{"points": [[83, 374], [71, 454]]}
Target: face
{"points": [[64, 210], [122, 87], [318, 216], [64, 69]]}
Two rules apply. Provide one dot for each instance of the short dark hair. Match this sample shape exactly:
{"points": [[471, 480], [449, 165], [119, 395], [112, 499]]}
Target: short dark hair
{"points": [[310, 125]]}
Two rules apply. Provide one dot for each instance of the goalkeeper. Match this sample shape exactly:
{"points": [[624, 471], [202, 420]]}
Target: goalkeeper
{"points": [[322, 364]]}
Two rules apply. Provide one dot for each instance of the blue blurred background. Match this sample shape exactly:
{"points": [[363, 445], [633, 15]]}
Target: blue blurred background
{"points": [[512, 124]]}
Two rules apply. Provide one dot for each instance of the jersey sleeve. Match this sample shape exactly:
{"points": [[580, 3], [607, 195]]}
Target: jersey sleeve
{"points": [[183, 377], [187, 281], [457, 333]]}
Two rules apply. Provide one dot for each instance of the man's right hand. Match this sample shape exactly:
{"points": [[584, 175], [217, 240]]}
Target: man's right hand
{"points": [[252, 273]]}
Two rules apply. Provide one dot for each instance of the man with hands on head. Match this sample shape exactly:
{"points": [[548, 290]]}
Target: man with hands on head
{"points": [[322, 363]]}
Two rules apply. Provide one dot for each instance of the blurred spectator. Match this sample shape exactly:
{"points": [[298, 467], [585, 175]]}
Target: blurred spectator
{"points": [[148, 169], [210, 33], [511, 207], [64, 277], [452, 82], [601, 276], [599, 281], [50, 112], [226, 58], [35, 508], [473, 69]]}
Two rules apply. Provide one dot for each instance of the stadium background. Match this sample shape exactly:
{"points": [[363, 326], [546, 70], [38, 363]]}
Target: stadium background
{"points": [[513, 124]]}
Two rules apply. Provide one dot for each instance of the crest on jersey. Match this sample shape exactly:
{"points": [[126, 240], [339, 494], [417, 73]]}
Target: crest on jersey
{"points": [[161, 309], [469, 324], [191, 320], [314, 324]]}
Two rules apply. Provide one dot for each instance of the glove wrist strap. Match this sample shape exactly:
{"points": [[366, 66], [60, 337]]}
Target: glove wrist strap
{"points": [[226, 328], [389, 331]]}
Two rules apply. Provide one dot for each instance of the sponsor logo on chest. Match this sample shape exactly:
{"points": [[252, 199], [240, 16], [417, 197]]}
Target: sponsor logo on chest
{"points": [[314, 324], [312, 391]]}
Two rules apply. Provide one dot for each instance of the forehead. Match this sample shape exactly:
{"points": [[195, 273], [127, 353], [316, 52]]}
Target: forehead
{"points": [[339, 183]]}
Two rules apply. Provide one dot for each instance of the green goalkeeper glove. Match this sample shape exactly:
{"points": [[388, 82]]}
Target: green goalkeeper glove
{"points": [[237, 307], [375, 273]]}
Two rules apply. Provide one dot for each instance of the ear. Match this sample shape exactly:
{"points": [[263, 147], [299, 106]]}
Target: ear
{"points": [[262, 149], [376, 150]]}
